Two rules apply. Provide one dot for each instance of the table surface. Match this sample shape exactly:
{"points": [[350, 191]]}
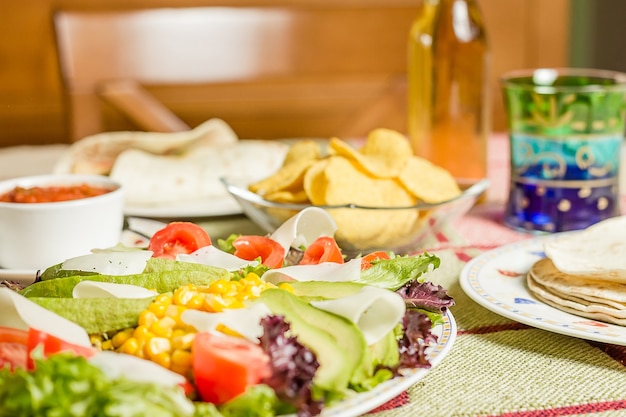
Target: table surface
{"points": [[496, 367]]}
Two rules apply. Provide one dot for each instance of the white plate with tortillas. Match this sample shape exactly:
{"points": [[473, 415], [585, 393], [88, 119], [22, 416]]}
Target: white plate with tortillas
{"points": [[571, 283], [175, 174]]}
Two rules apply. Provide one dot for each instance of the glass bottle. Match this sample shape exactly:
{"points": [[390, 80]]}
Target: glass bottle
{"points": [[448, 93]]}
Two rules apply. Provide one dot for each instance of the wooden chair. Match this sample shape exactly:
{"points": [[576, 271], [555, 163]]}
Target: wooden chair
{"points": [[269, 72]]}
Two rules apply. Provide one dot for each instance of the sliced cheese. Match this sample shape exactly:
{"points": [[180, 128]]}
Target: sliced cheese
{"points": [[326, 271], [19, 312], [97, 289], [116, 365], [302, 229], [245, 321], [213, 256], [110, 262], [375, 311]]}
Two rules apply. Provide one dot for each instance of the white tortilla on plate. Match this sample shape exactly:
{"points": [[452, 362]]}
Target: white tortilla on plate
{"points": [[598, 251], [150, 179], [174, 169], [580, 295], [96, 154]]}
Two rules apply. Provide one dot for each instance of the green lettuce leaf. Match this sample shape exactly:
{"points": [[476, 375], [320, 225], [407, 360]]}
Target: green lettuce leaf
{"points": [[393, 273], [65, 385]]}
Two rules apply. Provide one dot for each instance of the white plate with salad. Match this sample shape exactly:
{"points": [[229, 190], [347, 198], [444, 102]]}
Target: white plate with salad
{"points": [[313, 335]]}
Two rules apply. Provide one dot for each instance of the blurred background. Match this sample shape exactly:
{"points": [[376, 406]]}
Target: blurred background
{"points": [[352, 40]]}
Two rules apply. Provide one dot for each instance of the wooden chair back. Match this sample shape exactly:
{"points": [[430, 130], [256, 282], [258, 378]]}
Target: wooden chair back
{"points": [[269, 72]]}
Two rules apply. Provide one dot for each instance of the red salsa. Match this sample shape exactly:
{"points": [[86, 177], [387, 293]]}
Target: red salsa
{"points": [[52, 194]]}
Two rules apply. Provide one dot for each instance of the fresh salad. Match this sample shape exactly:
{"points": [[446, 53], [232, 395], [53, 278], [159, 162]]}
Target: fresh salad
{"points": [[245, 326]]}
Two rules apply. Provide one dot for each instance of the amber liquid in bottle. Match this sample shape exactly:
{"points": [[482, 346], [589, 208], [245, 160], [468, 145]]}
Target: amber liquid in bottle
{"points": [[448, 97]]}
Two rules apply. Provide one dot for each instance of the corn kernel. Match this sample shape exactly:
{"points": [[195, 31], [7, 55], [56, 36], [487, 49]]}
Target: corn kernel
{"points": [[286, 286], [196, 301], [183, 342], [95, 339], [141, 332], [165, 299], [227, 330], [107, 345], [158, 309], [181, 357], [214, 303], [183, 294], [164, 359], [218, 286], [157, 345], [163, 327], [253, 278], [130, 346], [120, 337], [147, 317]]}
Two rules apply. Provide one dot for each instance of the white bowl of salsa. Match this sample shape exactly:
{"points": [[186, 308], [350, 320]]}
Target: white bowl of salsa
{"points": [[47, 219]]}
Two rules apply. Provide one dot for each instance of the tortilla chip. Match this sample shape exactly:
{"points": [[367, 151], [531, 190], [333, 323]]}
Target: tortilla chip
{"points": [[384, 154], [305, 150], [287, 178], [359, 228], [345, 183], [428, 182]]}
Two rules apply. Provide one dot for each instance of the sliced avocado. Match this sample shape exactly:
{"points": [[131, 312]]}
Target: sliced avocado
{"points": [[325, 289], [57, 271], [385, 351], [152, 265], [159, 281], [97, 315], [338, 344], [163, 264]]}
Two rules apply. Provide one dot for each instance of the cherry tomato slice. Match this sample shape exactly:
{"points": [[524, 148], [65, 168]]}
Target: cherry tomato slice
{"points": [[52, 344], [366, 261], [177, 238], [225, 366], [251, 247], [323, 249], [13, 348]]}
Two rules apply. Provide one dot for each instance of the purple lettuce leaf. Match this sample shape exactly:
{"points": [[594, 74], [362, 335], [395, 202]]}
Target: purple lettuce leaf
{"points": [[426, 295], [416, 337], [293, 367]]}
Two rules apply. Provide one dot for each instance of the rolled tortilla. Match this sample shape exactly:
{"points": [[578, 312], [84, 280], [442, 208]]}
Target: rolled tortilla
{"points": [[96, 154]]}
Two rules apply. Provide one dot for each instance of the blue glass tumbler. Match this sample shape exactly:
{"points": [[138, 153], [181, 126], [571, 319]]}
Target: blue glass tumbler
{"points": [[566, 128]]}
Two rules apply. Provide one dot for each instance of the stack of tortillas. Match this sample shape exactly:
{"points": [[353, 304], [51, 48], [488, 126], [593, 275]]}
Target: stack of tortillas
{"points": [[160, 168], [584, 273]]}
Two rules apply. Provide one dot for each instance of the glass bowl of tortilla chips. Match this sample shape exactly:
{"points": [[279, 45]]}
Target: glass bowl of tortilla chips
{"points": [[379, 194]]}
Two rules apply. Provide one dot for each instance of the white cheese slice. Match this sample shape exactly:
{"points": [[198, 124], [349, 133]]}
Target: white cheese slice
{"points": [[245, 321], [110, 262], [326, 271], [302, 229], [213, 256], [375, 311], [120, 365], [96, 289], [598, 251], [116, 365], [19, 312]]}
